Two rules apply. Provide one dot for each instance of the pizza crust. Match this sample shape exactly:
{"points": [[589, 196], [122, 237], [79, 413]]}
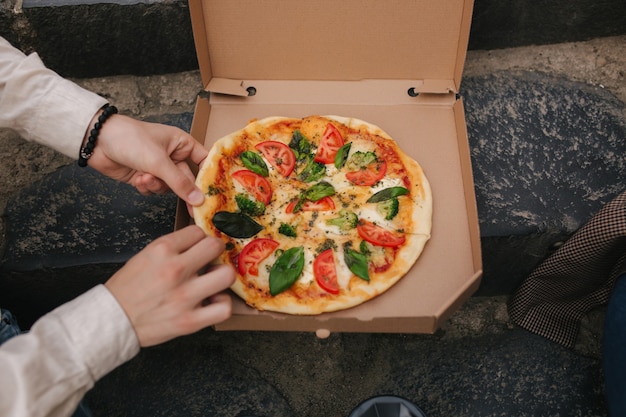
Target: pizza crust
{"points": [[317, 301]]}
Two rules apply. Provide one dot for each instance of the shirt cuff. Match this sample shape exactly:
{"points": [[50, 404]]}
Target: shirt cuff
{"points": [[67, 110], [100, 330], [46, 108]]}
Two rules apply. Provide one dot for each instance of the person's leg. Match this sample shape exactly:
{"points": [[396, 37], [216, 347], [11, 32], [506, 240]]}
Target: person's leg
{"points": [[8, 326], [614, 350]]}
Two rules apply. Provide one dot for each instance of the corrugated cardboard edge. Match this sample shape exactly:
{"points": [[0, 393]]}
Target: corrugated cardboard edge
{"points": [[325, 324]]}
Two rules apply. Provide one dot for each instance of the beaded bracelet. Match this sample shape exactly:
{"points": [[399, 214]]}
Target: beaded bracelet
{"points": [[87, 150]]}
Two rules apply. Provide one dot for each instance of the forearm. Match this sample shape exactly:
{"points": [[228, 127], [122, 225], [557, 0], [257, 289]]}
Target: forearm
{"points": [[47, 371], [42, 106]]}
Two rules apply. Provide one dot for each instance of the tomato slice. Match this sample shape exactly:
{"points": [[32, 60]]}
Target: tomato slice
{"points": [[255, 184], [323, 204], [253, 254], [279, 155], [378, 236], [291, 205], [325, 271], [329, 145], [370, 175]]}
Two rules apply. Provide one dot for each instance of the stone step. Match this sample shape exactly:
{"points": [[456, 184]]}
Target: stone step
{"points": [[94, 34], [545, 152]]}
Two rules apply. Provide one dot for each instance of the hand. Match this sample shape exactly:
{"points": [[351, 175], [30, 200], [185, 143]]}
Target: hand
{"points": [[150, 156], [163, 295]]}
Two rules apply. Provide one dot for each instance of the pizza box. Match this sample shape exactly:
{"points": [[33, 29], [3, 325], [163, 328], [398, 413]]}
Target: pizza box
{"points": [[395, 64]]}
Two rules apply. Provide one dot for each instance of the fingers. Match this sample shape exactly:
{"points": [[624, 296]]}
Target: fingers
{"points": [[220, 308], [207, 301], [190, 210], [214, 281], [202, 253], [151, 156], [148, 184], [180, 181], [188, 237], [198, 152]]}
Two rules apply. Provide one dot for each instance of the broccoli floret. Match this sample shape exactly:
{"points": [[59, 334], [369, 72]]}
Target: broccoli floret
{"points": [[249, 206], [388, 208], [313, 171], [347, 220], [360, 160], [378, 256], [287, 230]]}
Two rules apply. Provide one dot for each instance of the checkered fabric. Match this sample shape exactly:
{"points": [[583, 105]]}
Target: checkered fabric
{"points": [[576, 278]]}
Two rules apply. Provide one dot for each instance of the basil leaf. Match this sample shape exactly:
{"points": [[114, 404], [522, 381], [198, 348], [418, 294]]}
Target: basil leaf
{"points": [[342, 155], [300, 145], [357, 263], [318, 191], [286, 270], [364, 249], [287, 230], [254, 163], [236, 224], [360, 160], [387, 194]]}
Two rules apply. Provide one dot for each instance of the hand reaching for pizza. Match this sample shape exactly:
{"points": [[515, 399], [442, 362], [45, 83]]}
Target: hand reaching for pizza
{"points": [[149, 156], [162, 293]]}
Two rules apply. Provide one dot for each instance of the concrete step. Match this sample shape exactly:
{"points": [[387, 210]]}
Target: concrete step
{"points": [[87, 38], [546, 156], [500, 372]]}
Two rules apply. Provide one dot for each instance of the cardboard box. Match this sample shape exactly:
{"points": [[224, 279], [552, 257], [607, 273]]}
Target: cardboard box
{"points": [[396, 64]]}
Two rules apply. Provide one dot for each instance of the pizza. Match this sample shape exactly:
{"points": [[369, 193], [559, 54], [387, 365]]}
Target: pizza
{"points": [[318, 214]]}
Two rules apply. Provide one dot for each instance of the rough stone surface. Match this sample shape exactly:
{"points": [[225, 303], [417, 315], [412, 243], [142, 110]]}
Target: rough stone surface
{"points": [[500, 373], [76, 217], [547, 153], [502, 24], [91, 40], [546, 156]]}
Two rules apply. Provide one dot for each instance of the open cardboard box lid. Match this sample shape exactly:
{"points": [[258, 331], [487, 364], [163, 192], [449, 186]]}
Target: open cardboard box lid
{"points": [[396, 64]]}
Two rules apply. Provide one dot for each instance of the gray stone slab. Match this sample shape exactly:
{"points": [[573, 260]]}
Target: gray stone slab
{"points": [[546, 156], [76, 216], [92, 39], [547, 153], [73, 230], [509, 373]]}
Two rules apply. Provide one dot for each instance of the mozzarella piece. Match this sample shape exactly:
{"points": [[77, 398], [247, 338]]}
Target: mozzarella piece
{"points": [[387, 183], [343, 272]]}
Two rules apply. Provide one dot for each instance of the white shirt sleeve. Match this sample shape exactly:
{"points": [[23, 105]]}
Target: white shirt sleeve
{"points": [[42, 106], [47, 371]]}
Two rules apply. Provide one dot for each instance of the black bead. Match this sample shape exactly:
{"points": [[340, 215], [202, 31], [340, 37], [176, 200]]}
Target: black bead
{"points": [[87, 151]]}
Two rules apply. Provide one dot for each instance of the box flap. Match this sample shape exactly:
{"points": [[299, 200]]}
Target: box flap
{"points": [[333, 40]]}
